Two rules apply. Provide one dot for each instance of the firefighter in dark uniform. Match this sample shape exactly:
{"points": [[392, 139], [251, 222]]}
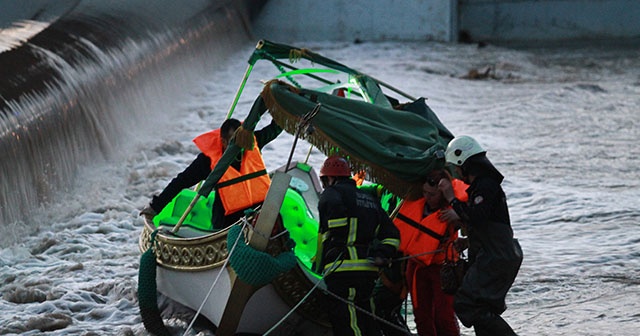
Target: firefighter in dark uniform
{"points": [[356, 237], [494, 255]]}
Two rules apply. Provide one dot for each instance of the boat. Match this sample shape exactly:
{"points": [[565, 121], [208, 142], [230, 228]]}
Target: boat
{"points": [[256, 277]]}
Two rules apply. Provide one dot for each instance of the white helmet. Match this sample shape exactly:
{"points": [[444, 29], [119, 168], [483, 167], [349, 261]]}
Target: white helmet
{"points": [[461, 148]]}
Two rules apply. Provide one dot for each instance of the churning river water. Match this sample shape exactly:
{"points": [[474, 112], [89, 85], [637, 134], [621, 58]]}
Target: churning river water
{"points": [[562, 124]]}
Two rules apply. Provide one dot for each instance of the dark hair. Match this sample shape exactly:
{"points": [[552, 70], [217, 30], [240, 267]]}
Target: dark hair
{"points": [[435, 176], [229, 125]]}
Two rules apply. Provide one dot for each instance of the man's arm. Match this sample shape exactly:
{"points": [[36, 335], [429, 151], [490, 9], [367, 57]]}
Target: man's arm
{"points": [[197, 171], [267, 134], [481, 202], [388, 235]]}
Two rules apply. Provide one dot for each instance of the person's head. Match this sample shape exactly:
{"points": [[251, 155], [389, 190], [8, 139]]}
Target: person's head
{"points": [[459, 150], [462, 148], [432, 195], [470, 159], [334, 168], [227, 130]]}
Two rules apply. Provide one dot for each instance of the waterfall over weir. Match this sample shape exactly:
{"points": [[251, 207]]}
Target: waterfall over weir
{"points": [[94, 73]]}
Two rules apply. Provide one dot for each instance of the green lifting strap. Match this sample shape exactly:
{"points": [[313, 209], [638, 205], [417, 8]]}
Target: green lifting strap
{"points": [[255, 267], [242, 178]]}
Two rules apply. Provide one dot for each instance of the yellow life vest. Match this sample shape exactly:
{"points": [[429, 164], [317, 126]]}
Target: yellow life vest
{"points": [[237, 193]]}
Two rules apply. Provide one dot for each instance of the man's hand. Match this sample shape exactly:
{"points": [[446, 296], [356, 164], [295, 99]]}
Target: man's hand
{"points": [[449, 216], [380, 262], [461, 244], [447, 189]]}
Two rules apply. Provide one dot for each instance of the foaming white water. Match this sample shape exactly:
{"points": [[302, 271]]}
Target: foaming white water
{"points": [[561, 125], [19, 32]]}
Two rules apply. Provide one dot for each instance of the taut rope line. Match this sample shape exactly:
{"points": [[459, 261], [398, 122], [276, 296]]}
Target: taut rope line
{"points": [[245, 223]]}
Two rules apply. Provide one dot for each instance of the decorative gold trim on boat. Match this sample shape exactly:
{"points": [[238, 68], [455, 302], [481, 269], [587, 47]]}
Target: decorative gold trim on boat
{"points": [[185, 254], [210, 251]]}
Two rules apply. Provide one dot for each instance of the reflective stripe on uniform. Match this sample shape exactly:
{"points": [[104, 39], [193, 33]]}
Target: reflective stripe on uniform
{"points": [[336, 223], [351, 238], [391, 241], [353, 316], [351, 265]]}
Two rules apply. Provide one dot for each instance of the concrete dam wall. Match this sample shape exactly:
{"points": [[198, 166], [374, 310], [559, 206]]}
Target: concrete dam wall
{"points": [[80, 78]]}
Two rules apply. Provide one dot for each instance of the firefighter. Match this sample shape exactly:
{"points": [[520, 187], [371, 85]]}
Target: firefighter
{"points": [[356, 237]]}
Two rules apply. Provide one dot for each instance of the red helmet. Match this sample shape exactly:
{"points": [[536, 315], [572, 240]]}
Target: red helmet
{"points": [[335, 166]]}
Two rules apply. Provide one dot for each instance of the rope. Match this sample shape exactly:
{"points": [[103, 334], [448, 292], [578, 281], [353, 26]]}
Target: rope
{"points": [[327, 272], [373, 316], [284, 232], [304, 122], [230, 252], [286, 316], [417, 255], [233, 232], [274, 237]]}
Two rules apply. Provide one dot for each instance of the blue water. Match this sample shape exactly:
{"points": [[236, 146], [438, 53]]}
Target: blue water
{"points": [[562, 125]]}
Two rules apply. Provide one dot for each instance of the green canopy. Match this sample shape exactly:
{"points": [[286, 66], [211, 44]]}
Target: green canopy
{"points": [[396, 146], [275, 51]]}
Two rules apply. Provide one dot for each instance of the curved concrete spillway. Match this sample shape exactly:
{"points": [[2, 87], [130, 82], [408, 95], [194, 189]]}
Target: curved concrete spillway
{"points": [[77, 76]]}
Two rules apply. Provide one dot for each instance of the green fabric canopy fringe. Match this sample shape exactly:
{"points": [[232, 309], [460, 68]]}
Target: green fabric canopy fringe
{"points": [[397, 147]]}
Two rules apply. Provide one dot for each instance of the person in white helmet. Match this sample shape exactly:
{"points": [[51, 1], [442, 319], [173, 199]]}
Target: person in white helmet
{"points": [[494, 255]]}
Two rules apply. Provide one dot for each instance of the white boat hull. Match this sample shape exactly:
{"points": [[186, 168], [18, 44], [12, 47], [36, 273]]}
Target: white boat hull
{"points": [[190, 261], [264, 310]]}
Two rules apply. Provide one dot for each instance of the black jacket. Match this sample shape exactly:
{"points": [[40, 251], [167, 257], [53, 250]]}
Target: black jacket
{"points": [[495, 257], [487, 218], [353, 227]]}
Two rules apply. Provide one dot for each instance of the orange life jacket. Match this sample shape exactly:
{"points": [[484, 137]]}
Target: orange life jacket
{"points": [[243, 193], [359, 177], [421, 235]]}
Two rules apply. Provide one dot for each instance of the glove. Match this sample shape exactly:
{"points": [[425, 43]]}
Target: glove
{"points": [[148, 211], [380, 262], [461, 244]]}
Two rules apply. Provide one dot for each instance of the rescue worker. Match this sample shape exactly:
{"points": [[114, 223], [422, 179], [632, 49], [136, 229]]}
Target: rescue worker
{"points": [[422, 233], [494, 255], [243, 185], [390, 290], [356, 237], [389, 294]]}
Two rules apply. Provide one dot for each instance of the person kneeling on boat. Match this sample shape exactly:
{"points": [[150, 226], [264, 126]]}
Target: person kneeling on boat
{"points": [[233, 193], [353, 229]]}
